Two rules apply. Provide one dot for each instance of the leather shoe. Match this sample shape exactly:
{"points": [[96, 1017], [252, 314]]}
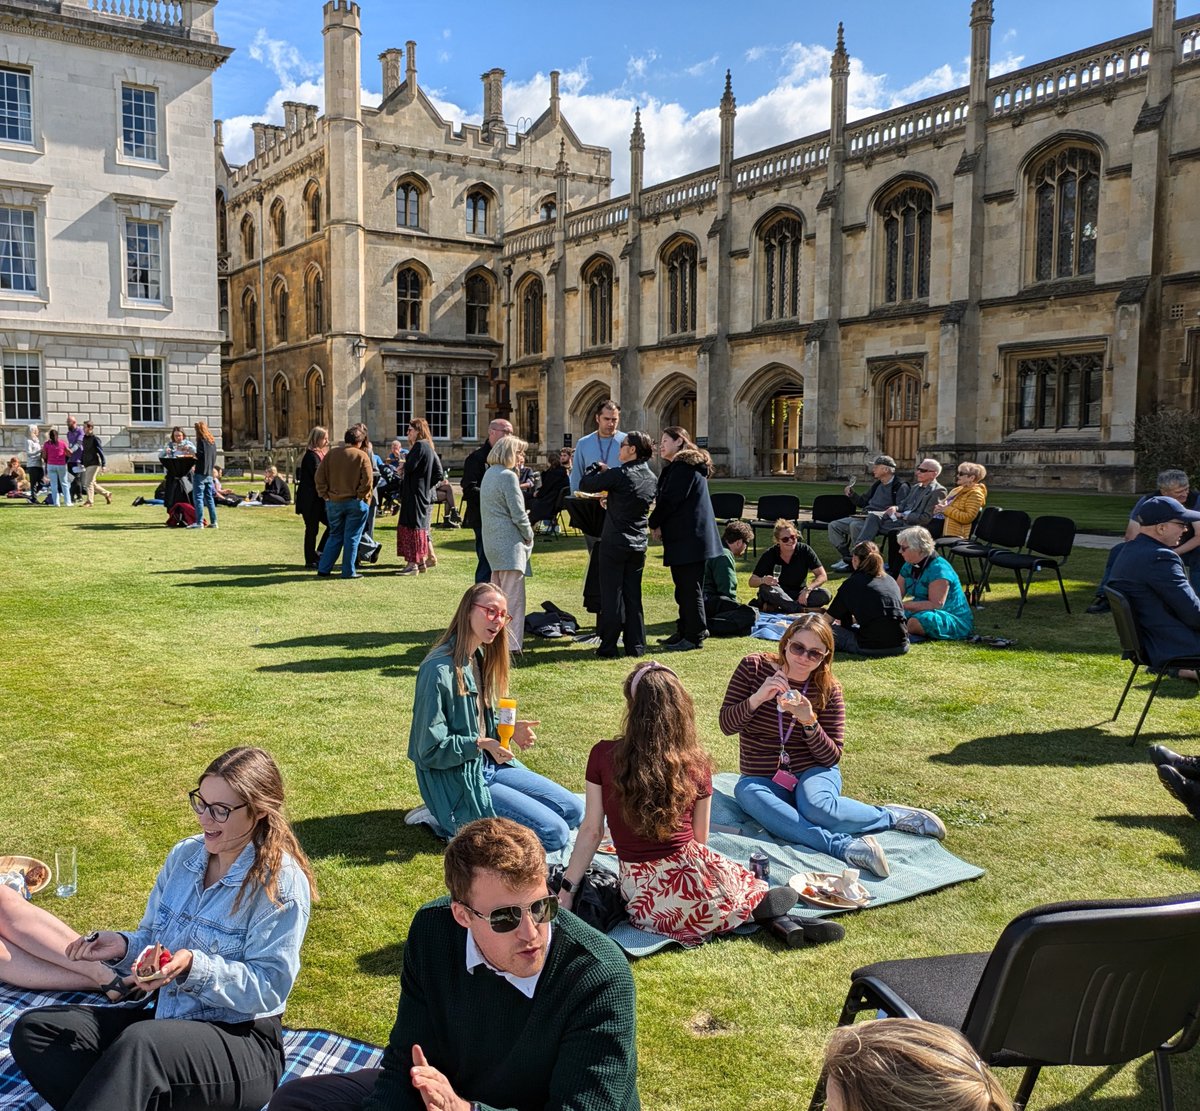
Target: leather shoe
{"points": [[1187, 766], [681, 646], [1187, 791]]}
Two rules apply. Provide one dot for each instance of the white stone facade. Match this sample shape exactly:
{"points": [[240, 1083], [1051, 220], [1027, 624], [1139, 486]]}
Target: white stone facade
{"points": [[112, 150]]}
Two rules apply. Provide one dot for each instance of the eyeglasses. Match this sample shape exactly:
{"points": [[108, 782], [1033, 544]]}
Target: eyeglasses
{"points": [[788, 539], [492, 613], [802, 653], [920, 469], [219, 811], [503, 920]]}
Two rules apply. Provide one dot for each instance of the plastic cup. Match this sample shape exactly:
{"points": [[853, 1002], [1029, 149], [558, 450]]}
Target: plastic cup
{"points": [[66, 873]]}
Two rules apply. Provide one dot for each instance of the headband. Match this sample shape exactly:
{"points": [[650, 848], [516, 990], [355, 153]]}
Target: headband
{"points": [[651, 665]]}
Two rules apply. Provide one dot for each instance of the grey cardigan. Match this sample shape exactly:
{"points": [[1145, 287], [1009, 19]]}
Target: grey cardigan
{"points": [[507, 533]]}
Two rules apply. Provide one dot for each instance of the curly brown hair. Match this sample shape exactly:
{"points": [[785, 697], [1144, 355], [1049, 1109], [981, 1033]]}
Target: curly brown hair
{"points": [[658, 758]]}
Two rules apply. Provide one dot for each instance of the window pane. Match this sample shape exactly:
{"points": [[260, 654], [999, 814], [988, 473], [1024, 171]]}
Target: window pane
{"points": [[1070, 392], [1048, 415], [139, 122], [1044, 267], [1093, 392], [437, 405], [146, 391], [1066, 225], [143, 261], [891, 284], [1027, 400], [910, 249], [1089, 210], [479, 296], [468, 407], [16, 106], [22, 386], [18, 250], [404, 390]]}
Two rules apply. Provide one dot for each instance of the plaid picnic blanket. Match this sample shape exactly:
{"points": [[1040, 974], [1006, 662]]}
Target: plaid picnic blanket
{"points": [[306, 1052]]}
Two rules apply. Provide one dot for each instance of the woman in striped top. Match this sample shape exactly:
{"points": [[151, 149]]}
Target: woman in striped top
{"points": [[790, 718]]}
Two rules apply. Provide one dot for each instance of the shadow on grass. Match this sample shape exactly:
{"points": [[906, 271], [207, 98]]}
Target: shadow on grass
{"points": [[393, 665], [1184, 1071], [368, 838], [1177, 823], [1058, 748], [119, 526], [387, 961]]}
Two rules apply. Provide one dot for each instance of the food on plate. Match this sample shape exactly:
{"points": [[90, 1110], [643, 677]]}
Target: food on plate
{"points": [[35, 875], [150, 963]]}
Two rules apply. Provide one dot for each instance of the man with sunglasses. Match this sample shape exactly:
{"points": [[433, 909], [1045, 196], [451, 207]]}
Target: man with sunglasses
{"points": [[504, 1001]]}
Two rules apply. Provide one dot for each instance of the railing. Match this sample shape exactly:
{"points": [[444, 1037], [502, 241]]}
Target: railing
{"points": [[908, 124], [679, 194], [599, 218], [164, 13], [778, 165], [517, 243], [1057, 80]]}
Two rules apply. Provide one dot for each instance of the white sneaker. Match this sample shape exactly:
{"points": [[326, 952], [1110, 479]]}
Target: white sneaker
{"points": [[912, 819], [196, 526], [867, 853], [841, 565]]}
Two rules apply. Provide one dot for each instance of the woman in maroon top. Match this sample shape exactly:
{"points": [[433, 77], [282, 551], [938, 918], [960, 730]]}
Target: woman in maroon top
{"points": [[788, 713], [654, 785]]}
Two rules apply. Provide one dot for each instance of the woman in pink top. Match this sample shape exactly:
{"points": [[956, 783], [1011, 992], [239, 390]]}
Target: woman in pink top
{"points": [[54, 454]]}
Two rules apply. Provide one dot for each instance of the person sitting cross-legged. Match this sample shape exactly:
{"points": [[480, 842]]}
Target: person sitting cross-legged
{"points": [[781, 574], [504, 1000], [867, 611]]}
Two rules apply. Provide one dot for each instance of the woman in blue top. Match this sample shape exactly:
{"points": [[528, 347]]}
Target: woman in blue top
{"points": [[463, 772], [937, 608], [231, 906]]}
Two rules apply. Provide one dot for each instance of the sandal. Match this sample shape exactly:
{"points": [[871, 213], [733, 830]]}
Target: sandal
{"points": [[125, 993], [408, 569], [431, 561]]}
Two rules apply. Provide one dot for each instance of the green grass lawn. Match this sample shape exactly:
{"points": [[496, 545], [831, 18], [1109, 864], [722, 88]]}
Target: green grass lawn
{"points": [[138, 653]]}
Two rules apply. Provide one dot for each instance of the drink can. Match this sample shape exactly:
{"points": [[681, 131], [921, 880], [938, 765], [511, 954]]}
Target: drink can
{"points": [[760, 865]]}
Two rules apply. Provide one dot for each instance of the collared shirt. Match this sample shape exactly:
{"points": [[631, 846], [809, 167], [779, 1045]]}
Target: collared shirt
{"points": [[244, 961], [592, 448], [526, 985]]}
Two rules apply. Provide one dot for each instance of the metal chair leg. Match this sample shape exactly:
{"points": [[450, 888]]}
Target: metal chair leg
{"points": [[1146, 709], [1023, 587], [1025, 1090], [1063, 590], [1166, 1091], [817, 1102], [1128, 684]]}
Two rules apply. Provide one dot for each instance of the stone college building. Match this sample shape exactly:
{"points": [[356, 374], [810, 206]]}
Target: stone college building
{"points": [[1008, 272]]}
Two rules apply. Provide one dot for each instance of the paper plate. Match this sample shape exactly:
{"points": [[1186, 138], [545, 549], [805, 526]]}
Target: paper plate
{"points": [[813, 879], [24, 864]]}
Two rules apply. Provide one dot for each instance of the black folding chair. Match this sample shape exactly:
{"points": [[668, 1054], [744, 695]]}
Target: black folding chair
{"points": [[1086, 983], [826, 508], [728, 507], [1131, 649], [1048, 546], [1006, 529], [772, 507], [945, 545]]}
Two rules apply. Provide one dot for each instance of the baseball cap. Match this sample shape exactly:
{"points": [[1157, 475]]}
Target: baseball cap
{"points": [[1158, 510], [883, 461]]}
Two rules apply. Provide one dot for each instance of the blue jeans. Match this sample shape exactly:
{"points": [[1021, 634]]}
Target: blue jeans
{"points": [[202, 495], [814, 814], [346, 521], [59, 480], [533, 800]]}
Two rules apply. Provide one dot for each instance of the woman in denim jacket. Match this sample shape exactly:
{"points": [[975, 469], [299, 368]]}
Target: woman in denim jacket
{"points": [[231, 907]]}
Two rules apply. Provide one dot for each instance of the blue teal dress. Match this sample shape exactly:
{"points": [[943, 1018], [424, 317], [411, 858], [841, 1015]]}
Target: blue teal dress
{"points": [[954, 621]]}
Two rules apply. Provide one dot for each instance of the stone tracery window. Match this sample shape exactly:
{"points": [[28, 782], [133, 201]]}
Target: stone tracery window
{"points": [[248, 236], [314, 302], [598, 280], [781, 241], [312, 207], [1059, 390], [531, 306], [250, 409], [408, 205], [279, 223], [279, 310], [314, 389], [1065, 188], [250, 320], [408, 300], [479, 305], [907, 227], [477, 212], [280, 404], [679, 266]]}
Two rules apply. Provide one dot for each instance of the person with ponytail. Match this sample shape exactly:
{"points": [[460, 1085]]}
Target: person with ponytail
{"points": [[224, 924]]}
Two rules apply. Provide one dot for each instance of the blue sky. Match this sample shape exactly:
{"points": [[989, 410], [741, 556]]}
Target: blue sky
{"points": [[667, 58]]}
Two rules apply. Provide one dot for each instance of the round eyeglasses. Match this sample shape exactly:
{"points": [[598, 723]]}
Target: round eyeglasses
{"points": [[494, 613], [218, 810], [503, 920]]}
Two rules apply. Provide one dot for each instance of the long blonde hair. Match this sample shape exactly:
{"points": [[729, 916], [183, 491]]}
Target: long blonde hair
{"points": [[253, 774], [495, 655]]}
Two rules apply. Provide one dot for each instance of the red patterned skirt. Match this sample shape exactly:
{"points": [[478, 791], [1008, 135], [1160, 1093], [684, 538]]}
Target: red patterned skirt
{"points": [[412, 544], [691, 894]]}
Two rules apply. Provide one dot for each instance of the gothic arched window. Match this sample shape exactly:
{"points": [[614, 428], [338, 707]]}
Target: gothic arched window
{"points": [[250, 320], [314, 302], [477, 212], [280, 395], [248, 236], [250, 409], [279, 223], [907, 225], [598, 281], [279, 310], [530, 306], [679, 265], [312, 207], [408, 205], [408, 300], [479, 305], [1065, 188], [781, 240], [314, 389]]}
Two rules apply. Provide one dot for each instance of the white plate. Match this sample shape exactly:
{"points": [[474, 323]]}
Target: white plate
{"points": [[23, 863], [830, 902]]}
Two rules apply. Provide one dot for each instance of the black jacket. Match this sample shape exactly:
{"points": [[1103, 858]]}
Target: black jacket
{"points": [[206, 457], [630, 488], [874, 605], [308, 502], [422, 472], [684, 512], [473, 471], [93, 453]]}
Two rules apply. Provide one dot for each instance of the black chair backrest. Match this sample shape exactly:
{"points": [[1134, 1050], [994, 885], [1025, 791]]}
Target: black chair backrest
{"points": [[1052, 536], [771, 507], [1008, 529], [1089, 983], [1127, 630], [728, 507], [832, 507], [984, 523]]}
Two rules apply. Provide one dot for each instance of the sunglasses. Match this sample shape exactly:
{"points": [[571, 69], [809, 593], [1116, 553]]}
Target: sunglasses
{"points": [[788, 539], [219, 811], [802, 653], [492, 613], [503, 920], [925, 469]]}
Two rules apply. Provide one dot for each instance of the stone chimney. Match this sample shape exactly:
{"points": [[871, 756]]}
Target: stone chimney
{"points": [[219, 135], [266, 135], [555, 109], [410, 66], [297, 116], [390, 60], [493, 101]]}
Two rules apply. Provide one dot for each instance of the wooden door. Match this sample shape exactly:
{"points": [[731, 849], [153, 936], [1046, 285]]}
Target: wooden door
{"points": [[902, 417]]}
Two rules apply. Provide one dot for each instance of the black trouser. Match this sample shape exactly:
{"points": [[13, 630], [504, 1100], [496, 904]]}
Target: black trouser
{"points": [[123, 1059], [313, 519], [689, 597], [621, 600], [36, 474], [343, 1091]]}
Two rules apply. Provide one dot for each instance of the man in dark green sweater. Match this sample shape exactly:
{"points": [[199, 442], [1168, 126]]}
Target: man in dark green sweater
{"points": [[505, 1003]]}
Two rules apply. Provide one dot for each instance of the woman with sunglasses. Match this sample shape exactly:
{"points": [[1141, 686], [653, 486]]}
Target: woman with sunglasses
{"points": [[956, 512], [653, 784], [781, 574], [463, 771], [229, 908], [933, 595], [790, 718]]}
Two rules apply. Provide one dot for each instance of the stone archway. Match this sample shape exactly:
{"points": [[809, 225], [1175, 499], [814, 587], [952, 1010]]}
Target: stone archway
{"points": [[672, 403], [768, 422], [583, 409]]}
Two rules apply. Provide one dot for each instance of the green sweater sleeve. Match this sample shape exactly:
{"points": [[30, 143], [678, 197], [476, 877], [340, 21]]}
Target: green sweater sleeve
{"points": [[438, 738], [720, 576]]}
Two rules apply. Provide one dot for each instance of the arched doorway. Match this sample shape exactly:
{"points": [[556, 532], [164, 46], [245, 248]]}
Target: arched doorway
{"points": [[779, 427], [586, 405], [672, 403], [899, 392]]}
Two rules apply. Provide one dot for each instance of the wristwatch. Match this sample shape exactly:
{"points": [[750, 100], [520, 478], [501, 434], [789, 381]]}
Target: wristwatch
{"points": [[567, 886]]}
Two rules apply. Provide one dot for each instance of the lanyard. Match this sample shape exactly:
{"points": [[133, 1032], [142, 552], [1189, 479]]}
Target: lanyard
{"points": [[606, 449], [785, 761]]}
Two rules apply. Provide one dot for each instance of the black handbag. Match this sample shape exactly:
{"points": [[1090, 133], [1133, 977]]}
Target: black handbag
{"points": [[597, 897]]}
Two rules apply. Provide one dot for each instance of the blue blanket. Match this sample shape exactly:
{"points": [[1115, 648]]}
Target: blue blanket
{"points": [[306, 1052]]}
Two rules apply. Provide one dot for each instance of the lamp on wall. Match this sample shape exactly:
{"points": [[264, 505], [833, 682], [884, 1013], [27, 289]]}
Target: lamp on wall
{"points": [[358, 348]]}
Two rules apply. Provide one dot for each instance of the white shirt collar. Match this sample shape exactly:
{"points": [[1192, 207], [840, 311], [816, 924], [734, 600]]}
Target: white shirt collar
{"points": [[526, 985]]}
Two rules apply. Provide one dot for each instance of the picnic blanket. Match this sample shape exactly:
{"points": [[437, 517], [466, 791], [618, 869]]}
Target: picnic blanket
{"points": [[919, 865], [306, 1052]]}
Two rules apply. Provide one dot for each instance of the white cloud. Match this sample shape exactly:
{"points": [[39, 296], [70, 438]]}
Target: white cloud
{"points": [[638, 64], [701, 68]]}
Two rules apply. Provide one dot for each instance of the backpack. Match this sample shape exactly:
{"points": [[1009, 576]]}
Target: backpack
{"points": [[181, 514]]}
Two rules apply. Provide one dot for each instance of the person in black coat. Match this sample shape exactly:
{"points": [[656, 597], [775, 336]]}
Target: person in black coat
{"points": [[309, 504], [473, 471], [555, 479], [275, 490], [868, 611], [630, 489], [683, 519], [422, 472]]}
